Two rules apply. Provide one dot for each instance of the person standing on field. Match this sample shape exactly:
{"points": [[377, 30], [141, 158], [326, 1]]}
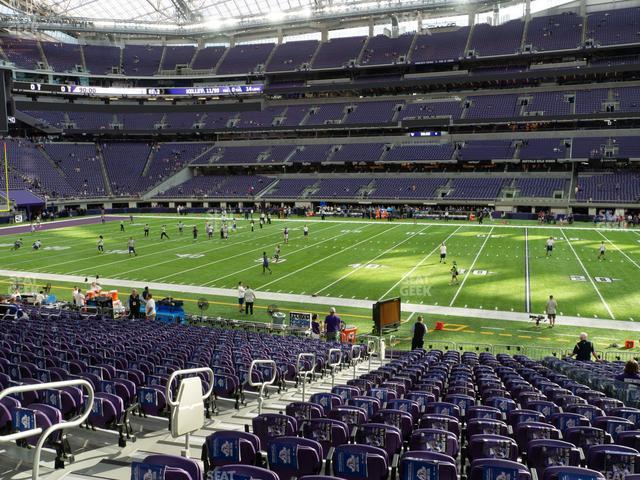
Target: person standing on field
{"points": [[552, 307], [151, 308], [241, 293], [419, 330], [249, 299]]}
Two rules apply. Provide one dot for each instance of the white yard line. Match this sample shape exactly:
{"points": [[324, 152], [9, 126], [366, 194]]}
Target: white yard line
{"points": [[419, 264], [527, 281], [470, 269], [618, 249], [187, 244], [255, 265], [116, 238], [595, 287], [230, 243], [390, 249], [523, 317], [324, 259]]}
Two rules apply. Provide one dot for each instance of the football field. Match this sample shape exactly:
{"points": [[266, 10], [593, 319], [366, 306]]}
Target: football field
{"points": [[502, 267]]}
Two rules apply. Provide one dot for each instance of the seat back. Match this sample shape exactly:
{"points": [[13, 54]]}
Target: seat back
{"points": [[560, 473], [425, 465], [613, 460], [243, 471], [386, 437], [191, 467], [293, 457], [271, 425], [542, 454], [229, 448], [326, 431], [434, 440], [353, 462], [584, 437], [492, 446], [496, 469], [302, 411]]}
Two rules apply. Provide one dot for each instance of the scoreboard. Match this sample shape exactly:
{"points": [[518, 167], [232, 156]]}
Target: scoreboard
{"points": [[196, 91]]}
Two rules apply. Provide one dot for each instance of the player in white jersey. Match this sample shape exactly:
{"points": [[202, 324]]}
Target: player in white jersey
{"points": [[549, 246], [443, 253], [305, 231], [276, 255], [101, 244], [602, 251]]}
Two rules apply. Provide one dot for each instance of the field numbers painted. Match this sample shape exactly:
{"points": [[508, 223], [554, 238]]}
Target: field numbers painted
{"points": [[56, 248], [480, 273], [422, 233], [350, 231], [582, 278], [604, 279], [190, 255], [368, 266]]}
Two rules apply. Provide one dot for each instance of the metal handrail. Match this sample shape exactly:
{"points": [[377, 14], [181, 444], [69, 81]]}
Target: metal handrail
{"points": [[302, 374], [370, 350], [355, 359], [333, 366], [56, 426], [391, 337], [262, 385], [172, 403]]}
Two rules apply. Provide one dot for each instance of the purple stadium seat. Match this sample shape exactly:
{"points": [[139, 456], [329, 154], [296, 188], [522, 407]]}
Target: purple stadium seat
{"points": [[302, 411], [352, 416], [434, 440], [230, 448], [386, 437], [327, 400], [584, 437], [191, 467], [561, 472], [492, 446], [495, 469], [326, 431], [542, 454], [614, 461], [415, 465], [244, 471], [271, 425], [354, 462], [292, 457]]}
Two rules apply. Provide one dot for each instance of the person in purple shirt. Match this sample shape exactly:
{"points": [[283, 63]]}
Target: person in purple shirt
{"points": [[332, 326]]}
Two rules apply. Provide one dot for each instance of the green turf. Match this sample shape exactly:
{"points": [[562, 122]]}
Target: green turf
{"points": [[370, 260]]}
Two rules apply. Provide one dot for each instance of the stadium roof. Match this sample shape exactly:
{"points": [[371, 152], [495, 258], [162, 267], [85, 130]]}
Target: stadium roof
{"points": [[204, 17]]}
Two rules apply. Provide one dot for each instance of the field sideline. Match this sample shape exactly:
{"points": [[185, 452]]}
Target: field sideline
{"points": [[504, 270]]}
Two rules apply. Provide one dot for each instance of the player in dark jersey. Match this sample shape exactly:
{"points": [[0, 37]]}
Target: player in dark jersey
{"points": [[454, 274], [146, 229], [265, 264]]}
